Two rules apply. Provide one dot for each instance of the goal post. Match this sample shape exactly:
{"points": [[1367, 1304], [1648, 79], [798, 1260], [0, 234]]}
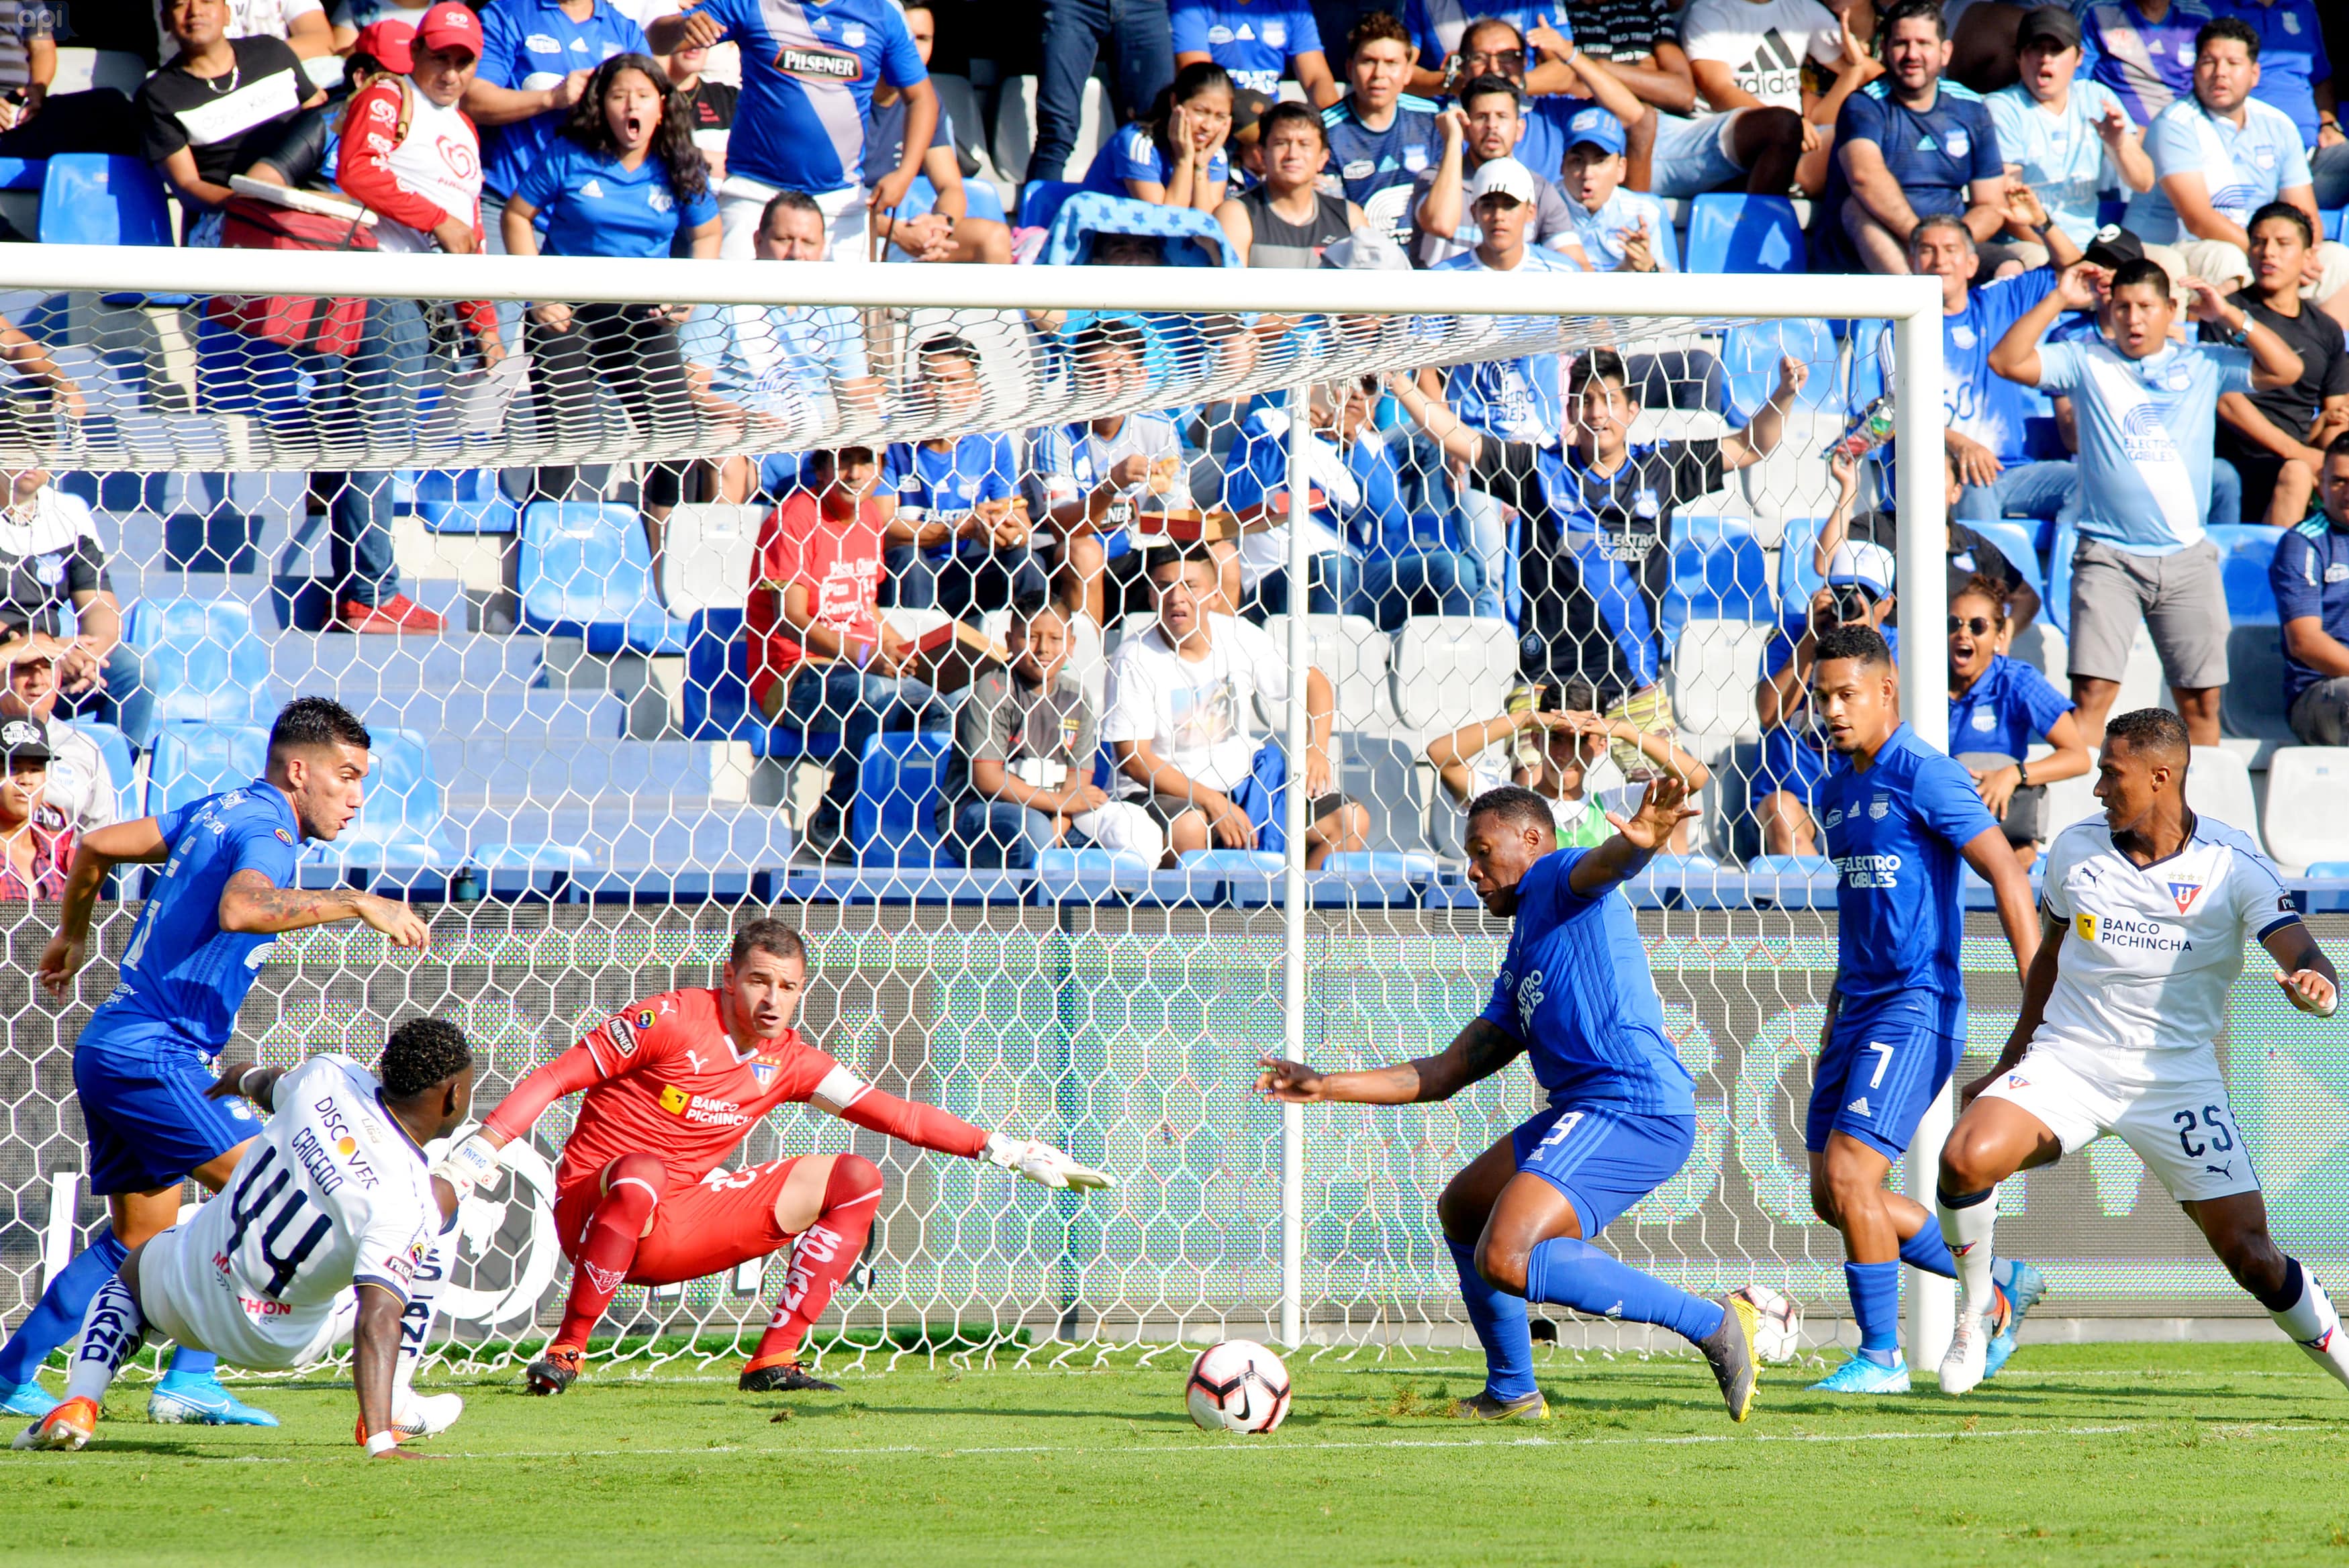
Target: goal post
{"points": [[577, 773]]}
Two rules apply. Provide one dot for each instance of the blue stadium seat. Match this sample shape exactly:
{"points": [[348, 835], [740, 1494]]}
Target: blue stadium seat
{"points": [[1090, 875], [2017, 540], [1372, 877], [198, 661], [1041, 202], [1733, 233], [894, 819], [586, 571], [190, 761], [115, 747], [1750, 356], [718, 703], [2245, 550], [102, 198], [2059, 576], [23, 174], [1719, 572], [464, 501]]}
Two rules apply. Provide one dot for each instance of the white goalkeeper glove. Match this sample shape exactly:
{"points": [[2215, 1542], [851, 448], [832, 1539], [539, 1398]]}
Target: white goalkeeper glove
{"points": [[469, 1164], [1041, 1163]]}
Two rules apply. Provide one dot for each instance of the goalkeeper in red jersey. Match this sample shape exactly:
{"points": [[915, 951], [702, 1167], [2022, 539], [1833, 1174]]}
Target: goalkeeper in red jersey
{"points": [[673, 1085]]}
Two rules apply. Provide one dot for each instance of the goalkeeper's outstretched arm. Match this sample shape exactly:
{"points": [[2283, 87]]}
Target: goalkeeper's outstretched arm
{"points": [[852, 1099], [1476, 1053]]}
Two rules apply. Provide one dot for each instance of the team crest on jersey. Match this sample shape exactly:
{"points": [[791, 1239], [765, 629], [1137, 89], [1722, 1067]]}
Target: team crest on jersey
{"points": [[819, 65], [1878, 809], [763, 1073], [2185, 893], [674, 1100]]}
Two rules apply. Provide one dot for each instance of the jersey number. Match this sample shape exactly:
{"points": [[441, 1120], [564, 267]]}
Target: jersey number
{"points": [[2214, 1122], [172, 868], [252, 1196], [1566, 1124], [1883, 1060]]}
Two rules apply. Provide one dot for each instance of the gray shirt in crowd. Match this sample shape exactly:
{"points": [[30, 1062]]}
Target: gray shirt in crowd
{"points": [[1005, 720]]}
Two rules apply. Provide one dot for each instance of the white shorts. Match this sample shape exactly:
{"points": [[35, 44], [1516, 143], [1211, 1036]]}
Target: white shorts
{"points": [[203, 1307], [742, 201], [2183, 1128]]}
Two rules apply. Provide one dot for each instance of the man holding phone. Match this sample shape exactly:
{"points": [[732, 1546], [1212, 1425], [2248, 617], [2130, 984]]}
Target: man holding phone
{"points": [[1795, 755]]}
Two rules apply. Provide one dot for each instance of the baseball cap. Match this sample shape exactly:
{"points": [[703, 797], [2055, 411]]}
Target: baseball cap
{"points": [[1249, 107], [1855, 562], [389, 42], [2112, 246], [1596, 126], [450, 26], [1502, 177], [24, 741], [2052, 24]]}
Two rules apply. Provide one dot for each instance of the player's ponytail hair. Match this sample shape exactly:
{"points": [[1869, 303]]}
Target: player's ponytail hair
{"points": [[420, 1053], [764, 935]]}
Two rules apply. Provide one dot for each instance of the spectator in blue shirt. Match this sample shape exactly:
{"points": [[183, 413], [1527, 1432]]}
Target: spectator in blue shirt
{"points": [[623, 178], [1254, 41], [2062, 134], [536, 58], [2309, 576], [1997, 704], [2296, 76], [1173, 156], [2145, 409], [1381, 140], [1621, 230], [960, 541], [1921, 150], [1368, 553], [2142, 49], [2218, 155]]}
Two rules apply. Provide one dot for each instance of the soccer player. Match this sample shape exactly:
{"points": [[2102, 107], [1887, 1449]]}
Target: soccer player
{"points": [[1898, 815], [224, 893], [2145, 912], [673, 1085], [1620, 1115], [327, 1231]]}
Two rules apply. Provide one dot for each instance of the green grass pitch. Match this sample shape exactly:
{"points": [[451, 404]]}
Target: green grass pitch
{"points": [[2094, 1454]]}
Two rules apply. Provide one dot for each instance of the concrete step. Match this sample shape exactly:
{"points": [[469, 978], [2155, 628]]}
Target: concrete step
{"points": [[626, 835], [365, 665], [653, 777], [470, 713]]}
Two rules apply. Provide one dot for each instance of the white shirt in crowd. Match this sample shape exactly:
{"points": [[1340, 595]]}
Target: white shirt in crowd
{"points": [[1195, 713], [1763, 45]]}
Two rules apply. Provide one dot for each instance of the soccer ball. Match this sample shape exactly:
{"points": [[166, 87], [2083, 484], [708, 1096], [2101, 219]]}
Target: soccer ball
{"points": [[1237, 1387], [1777, 1324]]}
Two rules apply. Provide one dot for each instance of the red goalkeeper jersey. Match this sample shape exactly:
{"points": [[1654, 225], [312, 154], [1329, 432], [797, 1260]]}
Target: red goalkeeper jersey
{"points": [[663, 1078]]}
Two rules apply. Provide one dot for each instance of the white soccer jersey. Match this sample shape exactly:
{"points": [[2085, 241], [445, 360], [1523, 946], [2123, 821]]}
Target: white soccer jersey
{"points": [[2152, 951]]}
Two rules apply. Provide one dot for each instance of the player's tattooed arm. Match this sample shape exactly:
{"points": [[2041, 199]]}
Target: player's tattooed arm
{"points": [[2037, 986], [1476, 1053], [254, 905]]}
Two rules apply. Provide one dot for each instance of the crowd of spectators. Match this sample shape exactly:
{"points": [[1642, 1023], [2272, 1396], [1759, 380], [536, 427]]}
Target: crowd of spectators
{"points": [[2131, 206]]}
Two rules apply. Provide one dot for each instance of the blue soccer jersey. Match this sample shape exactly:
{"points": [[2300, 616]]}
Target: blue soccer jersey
{"points": [[1574, 986], [2004, 708], [809, 70], [2146, 428], [1894, 832], [1253, 40], [932, 486], [592, 205], [1367, 161], [527, 45], [182, 970]]}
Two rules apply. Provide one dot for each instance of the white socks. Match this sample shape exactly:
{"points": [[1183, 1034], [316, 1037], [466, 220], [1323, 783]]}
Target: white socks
{"points": [[2312, 1323], [1967, 1223], [111, 1332]]}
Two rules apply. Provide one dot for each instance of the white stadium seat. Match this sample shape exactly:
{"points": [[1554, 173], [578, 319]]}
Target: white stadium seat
{"points": [[2307, 789], [1713, 673], [2218, 785], [1352, 652], [707, 553], [1449, 669]]}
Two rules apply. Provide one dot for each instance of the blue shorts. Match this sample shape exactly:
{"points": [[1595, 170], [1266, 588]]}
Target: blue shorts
{"points": [[141, 1086], [1884, 1063], [1603, 1158]]}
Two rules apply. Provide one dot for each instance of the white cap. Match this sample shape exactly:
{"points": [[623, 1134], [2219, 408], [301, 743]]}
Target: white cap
{"points": [[1502, 177], [1856, 560]]}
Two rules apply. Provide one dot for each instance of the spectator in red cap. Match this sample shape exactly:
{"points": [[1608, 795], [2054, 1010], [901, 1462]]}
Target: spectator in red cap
{"points": [[411, 154]]}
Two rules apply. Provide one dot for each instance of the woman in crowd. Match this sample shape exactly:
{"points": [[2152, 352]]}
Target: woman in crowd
{"points": [[625, 179], [37, 845], [1173, 157], [1996, 706]]}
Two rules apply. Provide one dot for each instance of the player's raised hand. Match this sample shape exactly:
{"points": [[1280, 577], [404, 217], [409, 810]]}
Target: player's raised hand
{"points": [[1043, 1164], [1281, 1080], [1661, 812], [60, 962], [2310, 991], [395, 920]]}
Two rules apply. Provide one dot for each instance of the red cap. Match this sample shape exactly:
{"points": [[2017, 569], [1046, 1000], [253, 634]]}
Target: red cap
{"points": [[388, 43], [450, 26]]}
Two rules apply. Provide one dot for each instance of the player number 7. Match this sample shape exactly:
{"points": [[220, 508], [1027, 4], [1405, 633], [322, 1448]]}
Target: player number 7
{"points": [[1883, 1060]]}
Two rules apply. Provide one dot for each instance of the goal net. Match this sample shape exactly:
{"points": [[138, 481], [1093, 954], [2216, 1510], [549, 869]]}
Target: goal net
{"points": [[611, 507]]}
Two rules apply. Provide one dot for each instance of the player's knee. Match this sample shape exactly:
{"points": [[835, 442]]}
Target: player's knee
{"points": [[1968, 1163], [1502, 1265], [853, 1177], [1459, 1213]]}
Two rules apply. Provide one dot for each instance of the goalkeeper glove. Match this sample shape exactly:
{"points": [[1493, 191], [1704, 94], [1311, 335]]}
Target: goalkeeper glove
{"points": [[1041, 1163], [469, 1164]]}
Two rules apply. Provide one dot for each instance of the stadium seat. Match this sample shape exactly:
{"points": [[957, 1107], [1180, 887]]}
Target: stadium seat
{"points": [[2307, 787], [1090, 875], [198, 661], [2015, 538], [2219, 783], [115, 747], [1372, 877], [1041, 202], [586, 571], [707, 556], [1242, 877], [2245, 549], [2251, 703], [190, 761], [1714, 671], [1383, 776], [1719, 572], [1750, 356], [1449, 669], [102, 198], [718, 705], [1791, 881], [894, 819], [1015, 129], [464, 501], [1736, 234], [1353, 653]]}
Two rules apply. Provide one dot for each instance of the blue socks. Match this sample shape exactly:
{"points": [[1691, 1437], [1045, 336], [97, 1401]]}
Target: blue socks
{"points": [[1500, 1322], [1875, 1301], [1569, 1272], [1927, 1251], [190, 1364], [58, 1318]]}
